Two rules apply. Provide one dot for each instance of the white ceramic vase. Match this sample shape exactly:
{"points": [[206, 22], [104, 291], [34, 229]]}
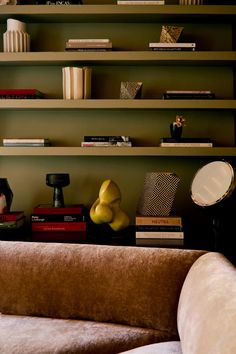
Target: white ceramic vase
{"points": [[15, 39], [72, 83]]}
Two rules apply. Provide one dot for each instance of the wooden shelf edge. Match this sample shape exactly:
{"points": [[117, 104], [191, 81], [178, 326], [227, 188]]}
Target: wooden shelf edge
{"points": [[118, 151]]}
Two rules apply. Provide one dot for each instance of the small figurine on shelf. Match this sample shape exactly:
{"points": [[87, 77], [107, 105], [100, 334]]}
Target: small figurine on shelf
{"points": [[176, 128]]}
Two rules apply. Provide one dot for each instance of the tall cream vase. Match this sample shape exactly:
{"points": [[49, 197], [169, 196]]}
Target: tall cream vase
{"points": [[16, 39]]}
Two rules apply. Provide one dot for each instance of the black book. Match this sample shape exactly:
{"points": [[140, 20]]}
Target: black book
{"points": [[186, 140]]}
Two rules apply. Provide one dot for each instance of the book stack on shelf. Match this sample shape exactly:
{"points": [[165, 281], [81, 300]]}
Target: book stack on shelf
{"points": [[191, 2], [106, 141], [86, 44], [188, 95], [175, 47], [186, 142], [18, 142], [11, 225], [20, 94], [64, 224], [159, 231]]}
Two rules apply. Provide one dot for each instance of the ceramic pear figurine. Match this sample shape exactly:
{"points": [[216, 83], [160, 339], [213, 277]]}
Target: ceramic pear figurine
{"points": [[106, 209]]}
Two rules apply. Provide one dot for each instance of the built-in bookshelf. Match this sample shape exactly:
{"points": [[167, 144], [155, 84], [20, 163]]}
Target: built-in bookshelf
{"points": [[131, 28]]}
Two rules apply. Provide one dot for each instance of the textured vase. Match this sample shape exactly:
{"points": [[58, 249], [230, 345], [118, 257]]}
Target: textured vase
{"points": [[6, 196], [158, 193], [15, 39], [73, 83]]}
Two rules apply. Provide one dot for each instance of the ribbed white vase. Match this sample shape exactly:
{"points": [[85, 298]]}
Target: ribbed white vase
{"points": [[15, 39], [72, 83]]}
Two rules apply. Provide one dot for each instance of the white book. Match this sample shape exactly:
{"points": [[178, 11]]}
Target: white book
{"points": [[186, 144], [140, 2], [188, 92], [160, 234], [172, 45], [26, 141], [89, 40]]}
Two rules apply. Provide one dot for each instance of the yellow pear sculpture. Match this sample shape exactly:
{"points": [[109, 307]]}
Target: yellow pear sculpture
{"points": [[106, 208]]}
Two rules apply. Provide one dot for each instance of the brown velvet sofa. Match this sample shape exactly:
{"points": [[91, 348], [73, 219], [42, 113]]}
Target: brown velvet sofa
{"points": [[68, 298]]}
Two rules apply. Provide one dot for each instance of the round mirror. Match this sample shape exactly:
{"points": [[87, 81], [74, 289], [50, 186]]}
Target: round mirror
{"points": [[212, 183]]}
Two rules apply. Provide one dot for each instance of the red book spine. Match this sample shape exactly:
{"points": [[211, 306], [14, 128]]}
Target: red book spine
{"points": [[59, 236], [58, 226], [12, 216]]}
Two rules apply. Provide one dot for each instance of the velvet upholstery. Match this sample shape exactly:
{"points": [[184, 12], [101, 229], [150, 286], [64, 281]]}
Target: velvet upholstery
{"points": [[207, 307], [88, 298]]}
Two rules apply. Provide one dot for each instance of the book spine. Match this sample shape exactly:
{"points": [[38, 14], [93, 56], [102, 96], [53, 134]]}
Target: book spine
{"points": [[155, 220], [152, 228], [172, 45], [88, 45], [16, 141], [31, 92], [106, 144], [140, 2], [105, 138], [87, 84], [160, 234], [88, 40], [186, 144], [188, 96], [160, 242], [58, 226], [59, 236], [11, 216], [173, 49], [57, 218]]}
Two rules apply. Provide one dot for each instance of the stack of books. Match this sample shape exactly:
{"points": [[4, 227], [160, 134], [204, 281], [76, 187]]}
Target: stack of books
{"points": [[20, 94], [65, 224], [12, 220], [186, 142], [188, 94], [159, 231], [93, 44], [18, 142], [106, 141], [159, 46]]}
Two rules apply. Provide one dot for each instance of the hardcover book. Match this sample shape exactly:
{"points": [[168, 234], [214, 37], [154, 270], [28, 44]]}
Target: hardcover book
{"points": [[106, 143], [20, 93], [57, 218], [12, 216], [160, 234], [186, 142], [105, 138], [160, 242], [78, 236], [158, 220], [58, 226]]}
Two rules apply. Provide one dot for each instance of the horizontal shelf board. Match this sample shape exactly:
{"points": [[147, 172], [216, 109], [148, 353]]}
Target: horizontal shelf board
{"points": [[94, 104], [119, 58], [117, 13], [117, 151]]}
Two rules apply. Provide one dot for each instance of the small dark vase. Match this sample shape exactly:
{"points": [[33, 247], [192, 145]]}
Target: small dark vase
{"points": [[6, 196], [175, 131]]}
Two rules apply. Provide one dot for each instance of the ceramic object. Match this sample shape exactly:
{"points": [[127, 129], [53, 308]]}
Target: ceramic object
{"points": [[15, 39]]}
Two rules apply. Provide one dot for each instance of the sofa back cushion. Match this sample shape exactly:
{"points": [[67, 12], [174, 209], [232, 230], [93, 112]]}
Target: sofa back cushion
{"points": [[127, 285], [207, 307]]}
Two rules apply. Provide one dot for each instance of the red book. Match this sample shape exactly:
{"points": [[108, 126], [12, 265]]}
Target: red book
{"points": [[12, 216], [57, 217], [68, 209], [78, 236], [59, 226], [20, 92]]}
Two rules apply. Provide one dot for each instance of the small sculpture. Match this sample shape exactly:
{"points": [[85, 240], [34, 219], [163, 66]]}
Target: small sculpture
{"points": [[170, 34], [176, 128], [106, 209], [58, 181]]}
